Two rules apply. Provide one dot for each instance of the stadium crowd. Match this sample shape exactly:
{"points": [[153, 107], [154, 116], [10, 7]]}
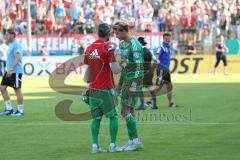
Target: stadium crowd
{"points": [[187, 19]]}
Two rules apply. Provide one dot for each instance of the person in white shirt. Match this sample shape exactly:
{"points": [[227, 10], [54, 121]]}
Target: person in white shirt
{"points": [[3, 57]]}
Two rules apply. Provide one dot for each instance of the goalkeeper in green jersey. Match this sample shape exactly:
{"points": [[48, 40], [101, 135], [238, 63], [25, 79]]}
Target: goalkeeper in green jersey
{"points": [[130, 81]]}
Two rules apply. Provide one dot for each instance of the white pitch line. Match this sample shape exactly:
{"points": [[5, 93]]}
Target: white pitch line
{"points": [[140, 123]]}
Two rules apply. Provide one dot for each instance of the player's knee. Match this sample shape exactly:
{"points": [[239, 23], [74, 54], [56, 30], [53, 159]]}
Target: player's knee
{"points": [[3, 89], [169, 86]]}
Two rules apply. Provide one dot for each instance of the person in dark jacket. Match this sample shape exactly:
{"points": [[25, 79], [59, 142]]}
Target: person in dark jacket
{"points": [[148, 75]]}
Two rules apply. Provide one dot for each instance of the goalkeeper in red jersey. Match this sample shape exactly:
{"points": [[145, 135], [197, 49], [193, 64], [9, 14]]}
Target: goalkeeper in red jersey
{"points": [[101, 64]]}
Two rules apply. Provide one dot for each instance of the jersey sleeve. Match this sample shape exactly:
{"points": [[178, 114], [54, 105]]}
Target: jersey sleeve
{"points": [[110, 54], [86, 60], [161, 51]]}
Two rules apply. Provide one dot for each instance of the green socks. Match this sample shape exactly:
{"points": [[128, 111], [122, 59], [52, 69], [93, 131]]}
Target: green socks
{"points": [[95, 130], [131, 126], [113, 128]]}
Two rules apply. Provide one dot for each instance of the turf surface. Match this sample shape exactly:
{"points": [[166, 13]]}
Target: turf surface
{"points": [[205, 126]]}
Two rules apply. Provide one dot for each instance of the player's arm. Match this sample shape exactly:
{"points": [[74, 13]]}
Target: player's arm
{"points": [[226, 49], [160, 52], [17, 57], [16, 60], [155, 54], [87, 75], [114, 65], [154, 58]]}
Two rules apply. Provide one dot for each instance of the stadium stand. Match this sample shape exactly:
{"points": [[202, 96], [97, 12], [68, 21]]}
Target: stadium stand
{"points": [[188, 20]]}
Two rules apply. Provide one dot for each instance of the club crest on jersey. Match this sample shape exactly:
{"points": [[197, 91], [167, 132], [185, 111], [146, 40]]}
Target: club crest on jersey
{"points": [[136, 54], [94, 55]]}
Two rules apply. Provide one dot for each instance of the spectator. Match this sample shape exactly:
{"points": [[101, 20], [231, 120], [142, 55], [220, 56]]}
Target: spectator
{"points": [[43, 50], [60, 14], [184, 23], [6, 23], [75, 11], [170, 22], [24, 11], [190, 49], [77, 16], [49, 21], [161, 21]]}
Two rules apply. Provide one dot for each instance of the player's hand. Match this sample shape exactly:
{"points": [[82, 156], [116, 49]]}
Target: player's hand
{"points": [[86, 93], [120, 43], [9, 73], [123, 62]]}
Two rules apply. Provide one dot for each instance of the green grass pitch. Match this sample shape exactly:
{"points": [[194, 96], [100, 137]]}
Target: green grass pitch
{"points": [[206, 126]]}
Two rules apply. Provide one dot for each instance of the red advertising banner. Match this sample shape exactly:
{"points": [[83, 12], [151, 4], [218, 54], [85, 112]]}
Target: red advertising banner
{"points": [[61, 45]]}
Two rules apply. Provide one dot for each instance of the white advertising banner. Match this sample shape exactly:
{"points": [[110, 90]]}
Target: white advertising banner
{"points": [[44, 66]]}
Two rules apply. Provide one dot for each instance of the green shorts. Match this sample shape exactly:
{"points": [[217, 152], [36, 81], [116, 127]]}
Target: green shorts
{"points": [[130, 100], [103, 102]]}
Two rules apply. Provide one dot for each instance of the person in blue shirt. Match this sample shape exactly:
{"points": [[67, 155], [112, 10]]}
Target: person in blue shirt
{"points": [[13, 75], [163, 72]]}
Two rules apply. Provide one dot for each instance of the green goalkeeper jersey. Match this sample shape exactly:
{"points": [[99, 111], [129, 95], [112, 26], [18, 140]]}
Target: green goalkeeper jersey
{"points": [[133, 52]]}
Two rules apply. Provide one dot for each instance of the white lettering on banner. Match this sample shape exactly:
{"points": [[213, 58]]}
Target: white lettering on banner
{"points": [[55, 43], [25, 44], [87, 40], [155, 41], [63, 44], [40, 42], [70, 42], [34, 44], [49, 43]]}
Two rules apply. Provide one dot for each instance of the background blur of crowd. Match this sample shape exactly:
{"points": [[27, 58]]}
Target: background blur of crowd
{"points": [[190, 21]]}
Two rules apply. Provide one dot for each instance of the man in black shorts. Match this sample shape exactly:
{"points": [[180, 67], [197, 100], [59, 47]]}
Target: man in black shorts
{"points": [[148, 75], [12, 77], [221, 49], [163, 73]]}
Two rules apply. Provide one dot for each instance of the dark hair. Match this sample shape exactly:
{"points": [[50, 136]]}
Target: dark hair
{"points": [[166, 34], [103, 30], [11, 31], [123, 29], [142, 40]]}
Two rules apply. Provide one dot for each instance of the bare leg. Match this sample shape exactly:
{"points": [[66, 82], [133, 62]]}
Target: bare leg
{"points": [[19, 95], [225, 70], [6, 97], [5, 93], [215, 71]]}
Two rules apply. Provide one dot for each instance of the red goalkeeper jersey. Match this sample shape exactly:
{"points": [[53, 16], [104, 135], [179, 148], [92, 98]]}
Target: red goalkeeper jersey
{"points": [[98, 56]]}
